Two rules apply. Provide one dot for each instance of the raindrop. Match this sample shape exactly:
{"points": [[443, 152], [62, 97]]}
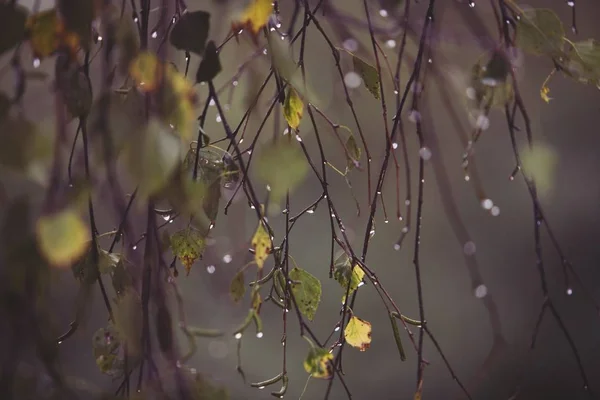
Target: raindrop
{"points": [[166, 217], [352, 80], [350, 44], [60, 342], [337, 328], [210, 269], [416, 87], [259, 335], [211, 102], [425, 153], [268, 188], [394, 145], [238, 335], [135, 19], [298, 138], [361, 284], [569, 291], [390, 43], [227, 258], [235, 83], [265, 51], [487, 204], [99, 38], [154, 34], [407, 202], [414, 116], [481, 291], [218, 118], [471, 4], [383, 13], [36, 62], [386, 221], [495, 211], [571, 3], [134, 247], [311, 211], [469, 248], [489, 82], [397, 246], [467, 178], [261, 387], [471, 93], [483, 122]]}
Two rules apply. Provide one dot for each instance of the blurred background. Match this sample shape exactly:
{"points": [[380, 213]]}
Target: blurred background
{"points": [[500, 247]]}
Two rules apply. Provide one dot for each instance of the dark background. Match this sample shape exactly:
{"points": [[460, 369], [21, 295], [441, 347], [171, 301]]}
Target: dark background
{"points": [[504, 244]]}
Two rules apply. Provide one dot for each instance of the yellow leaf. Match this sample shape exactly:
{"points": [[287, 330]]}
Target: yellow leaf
{"points": [[147, 71], [293, 108], [44, 28], [255, 16], [261, 243], [63, 237], [187, 245], [358, 333], [544, 92], [318, 363]]}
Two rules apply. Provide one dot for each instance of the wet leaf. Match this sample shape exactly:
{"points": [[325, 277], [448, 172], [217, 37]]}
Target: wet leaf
{"points": [[12, 20], [582, 62], [152, 157], [282, 166], [540, 31], [210, 66], [318, 363], [369, 75], [358, 333], [187, 245], [190, 32], [261, 243], [44, 29], [107, 262], [255, 16], [106, 345], [490, 88], [353, 152], [307, 292], [293, 108], [77, 16], [237, 288], [63, 237], [344, 273]]}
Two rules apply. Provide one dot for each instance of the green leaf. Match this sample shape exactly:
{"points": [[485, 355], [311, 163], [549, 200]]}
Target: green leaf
{"points": [[106, 345], [369, 75], [282, 166], [307, 291], [84, 270], [237, 288], [77, 16], [210, 66], [107, 262], [344, 273], [540, 164], [358, 333], [63, 237], [152, 157], [187, 245], [540, 32], [582, 61], [120, 277], [293, 108], [489, 84], [191, 31], [353, 152], [318, 363], [12, 20]]}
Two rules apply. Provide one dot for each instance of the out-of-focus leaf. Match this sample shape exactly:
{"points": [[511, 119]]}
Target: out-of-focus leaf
{"points": [[153, 157], [147, 71], [353, 152], [318, 363], [128, 42], [76, 89], [582, 62], [12, 21], [128, 321], [191, 31], [77, 16], [358, 333], [44, 28], [254, 17], [210, 66], [261, 243], [490, 86], [164, 328], [23, 145], [293, 108], [187, 245], [540, 31], [106, 345], [369, 75], [540, 164], [281, 166], [120, 277], [307, 292], [107, 262], [237, 288], [344, 273], [63, 237]]}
